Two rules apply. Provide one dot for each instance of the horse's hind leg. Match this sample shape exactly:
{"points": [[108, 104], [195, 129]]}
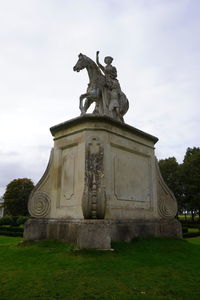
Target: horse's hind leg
{"points": [[87, 104]]}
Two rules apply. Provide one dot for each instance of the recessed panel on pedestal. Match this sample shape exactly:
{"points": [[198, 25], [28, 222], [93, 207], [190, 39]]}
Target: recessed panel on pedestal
{"points": [[69, 156], [132, 175]]}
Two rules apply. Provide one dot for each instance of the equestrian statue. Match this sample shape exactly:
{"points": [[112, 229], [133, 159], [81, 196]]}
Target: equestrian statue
{"points": [[103, 88]]}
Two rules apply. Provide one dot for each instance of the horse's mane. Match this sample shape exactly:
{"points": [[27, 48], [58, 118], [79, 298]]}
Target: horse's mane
{"points": [[92, 63]]}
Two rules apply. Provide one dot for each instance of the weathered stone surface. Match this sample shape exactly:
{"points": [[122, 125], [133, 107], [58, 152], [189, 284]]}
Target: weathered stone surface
{"points": [[35, 229], [103, 88], [99, 234], [101, 169], [94, 235], [39, 204]]}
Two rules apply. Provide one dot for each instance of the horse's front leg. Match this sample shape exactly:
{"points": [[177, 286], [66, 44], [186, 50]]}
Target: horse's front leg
{"points": [[83, 96]]}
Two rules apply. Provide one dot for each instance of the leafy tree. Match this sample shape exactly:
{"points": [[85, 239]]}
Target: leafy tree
{"points": [[184, 179], [16, 196], [170, 170], [190, 175]]}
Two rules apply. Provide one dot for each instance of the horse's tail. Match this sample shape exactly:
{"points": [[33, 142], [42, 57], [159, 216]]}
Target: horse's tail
{"points": [[124, 104]]}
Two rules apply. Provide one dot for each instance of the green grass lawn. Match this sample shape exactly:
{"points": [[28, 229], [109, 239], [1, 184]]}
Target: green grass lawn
{"points": [[143, 269]]}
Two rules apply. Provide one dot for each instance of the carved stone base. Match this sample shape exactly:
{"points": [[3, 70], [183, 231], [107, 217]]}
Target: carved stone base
{"points": [[99, 234], [101, 169]]}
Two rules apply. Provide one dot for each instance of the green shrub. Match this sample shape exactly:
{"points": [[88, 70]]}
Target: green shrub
{"points": [[7, 220], [11, 233], [21, 220], [184, 229], [196, 226], [11, 230], [191, 234], [13, 221], [12, 226], [189, 222]]}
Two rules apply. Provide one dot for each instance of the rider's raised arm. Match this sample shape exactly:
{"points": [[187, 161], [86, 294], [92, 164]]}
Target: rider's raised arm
{"points": [[98, 63]]}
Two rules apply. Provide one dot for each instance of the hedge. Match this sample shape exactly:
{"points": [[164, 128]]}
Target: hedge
{"points": [[191, 234], [12, 226], [11, 230], [13, 220]]}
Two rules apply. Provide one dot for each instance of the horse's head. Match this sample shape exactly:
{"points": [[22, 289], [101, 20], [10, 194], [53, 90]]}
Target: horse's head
{"points": [[81, 63]]}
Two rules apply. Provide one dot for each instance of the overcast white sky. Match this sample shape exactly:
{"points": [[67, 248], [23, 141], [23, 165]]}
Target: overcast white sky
{"points": [[156, 49]]}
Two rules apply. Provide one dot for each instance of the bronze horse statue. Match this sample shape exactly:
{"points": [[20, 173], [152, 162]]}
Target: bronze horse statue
{"points": [[97, 90]]}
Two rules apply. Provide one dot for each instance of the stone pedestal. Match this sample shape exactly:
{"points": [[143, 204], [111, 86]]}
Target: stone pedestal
{"points": [[99, 234], [106, 171]]}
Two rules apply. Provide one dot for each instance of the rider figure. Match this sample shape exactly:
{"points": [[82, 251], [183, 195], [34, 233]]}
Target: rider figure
{"points": [[111, 82], [109, 70], [114, 101]]}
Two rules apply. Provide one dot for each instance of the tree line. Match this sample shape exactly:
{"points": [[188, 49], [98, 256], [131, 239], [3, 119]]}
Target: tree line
{"points": [[184, 180]]}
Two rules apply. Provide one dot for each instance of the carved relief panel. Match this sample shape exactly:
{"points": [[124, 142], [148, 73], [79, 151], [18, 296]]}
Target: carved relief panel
{"points": [[93, 202]]}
